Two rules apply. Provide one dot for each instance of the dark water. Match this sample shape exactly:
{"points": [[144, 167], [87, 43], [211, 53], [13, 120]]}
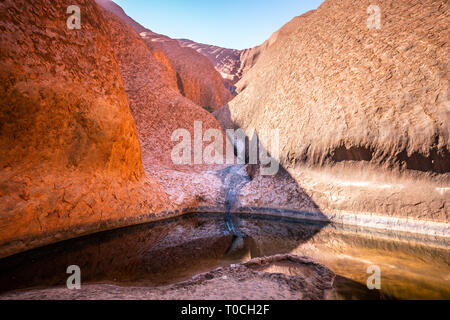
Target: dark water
{"points": [[172, 251]]}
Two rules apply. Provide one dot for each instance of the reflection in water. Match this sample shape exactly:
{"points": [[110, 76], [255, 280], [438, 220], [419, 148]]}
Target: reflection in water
{"points": [[175, 250]]}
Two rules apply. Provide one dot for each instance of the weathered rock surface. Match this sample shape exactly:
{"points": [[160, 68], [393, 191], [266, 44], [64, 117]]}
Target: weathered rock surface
{"points": [[119, 12], [159, 109], [157, 106], [71, 160], [249, 57], [233, 64], [195, 76], [63, 99], [370, 106], [72, 164], [164, 253]]}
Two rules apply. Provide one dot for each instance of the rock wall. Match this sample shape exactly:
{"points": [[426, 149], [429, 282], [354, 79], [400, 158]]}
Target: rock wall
{"points": [[249, 57], [71, 160], [157, 106], [233, 64], [226, 61], [77, 106], [196, 76], [63, 99], [363, 119], [371, 106]]}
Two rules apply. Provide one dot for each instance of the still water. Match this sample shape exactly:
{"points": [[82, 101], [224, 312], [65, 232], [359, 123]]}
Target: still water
{"points": [[166, 252]]}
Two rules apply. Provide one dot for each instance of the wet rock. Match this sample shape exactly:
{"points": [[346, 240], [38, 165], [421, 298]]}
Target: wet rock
{"points": [[72, 162]]}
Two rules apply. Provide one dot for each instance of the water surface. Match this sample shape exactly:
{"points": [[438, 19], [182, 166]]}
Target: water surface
{"points": [[166, 252]]}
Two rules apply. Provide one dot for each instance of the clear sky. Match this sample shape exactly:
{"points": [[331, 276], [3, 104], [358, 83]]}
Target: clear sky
{"points": [[236, 24]]}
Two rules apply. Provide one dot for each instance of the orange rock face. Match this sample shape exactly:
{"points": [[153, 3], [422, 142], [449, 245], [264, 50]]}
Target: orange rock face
{"points": [[249, 57], [157, 106], [226, 61], [77, 107], [378, 95], [71, 159], [63, 100], [195, 75]]}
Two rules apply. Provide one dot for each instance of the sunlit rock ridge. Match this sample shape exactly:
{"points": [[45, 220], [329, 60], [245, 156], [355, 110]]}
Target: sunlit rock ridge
{"points": [[363, 113]]}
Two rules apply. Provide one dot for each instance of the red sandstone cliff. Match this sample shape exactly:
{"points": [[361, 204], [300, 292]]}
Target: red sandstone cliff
{"points": [[157, 106], [358, 103], [71, 160], [196, 77], [226, 61], [354, 108]]}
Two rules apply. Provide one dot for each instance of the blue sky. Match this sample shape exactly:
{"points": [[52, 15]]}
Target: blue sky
{"points": [[236, 24]]}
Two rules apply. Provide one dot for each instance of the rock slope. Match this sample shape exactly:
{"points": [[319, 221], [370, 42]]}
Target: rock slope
{"points": [[157, 106], [233, 64], [72, 162], [71, 159], [369, 106], [226, 61], [196, 76], [249, 57]]}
